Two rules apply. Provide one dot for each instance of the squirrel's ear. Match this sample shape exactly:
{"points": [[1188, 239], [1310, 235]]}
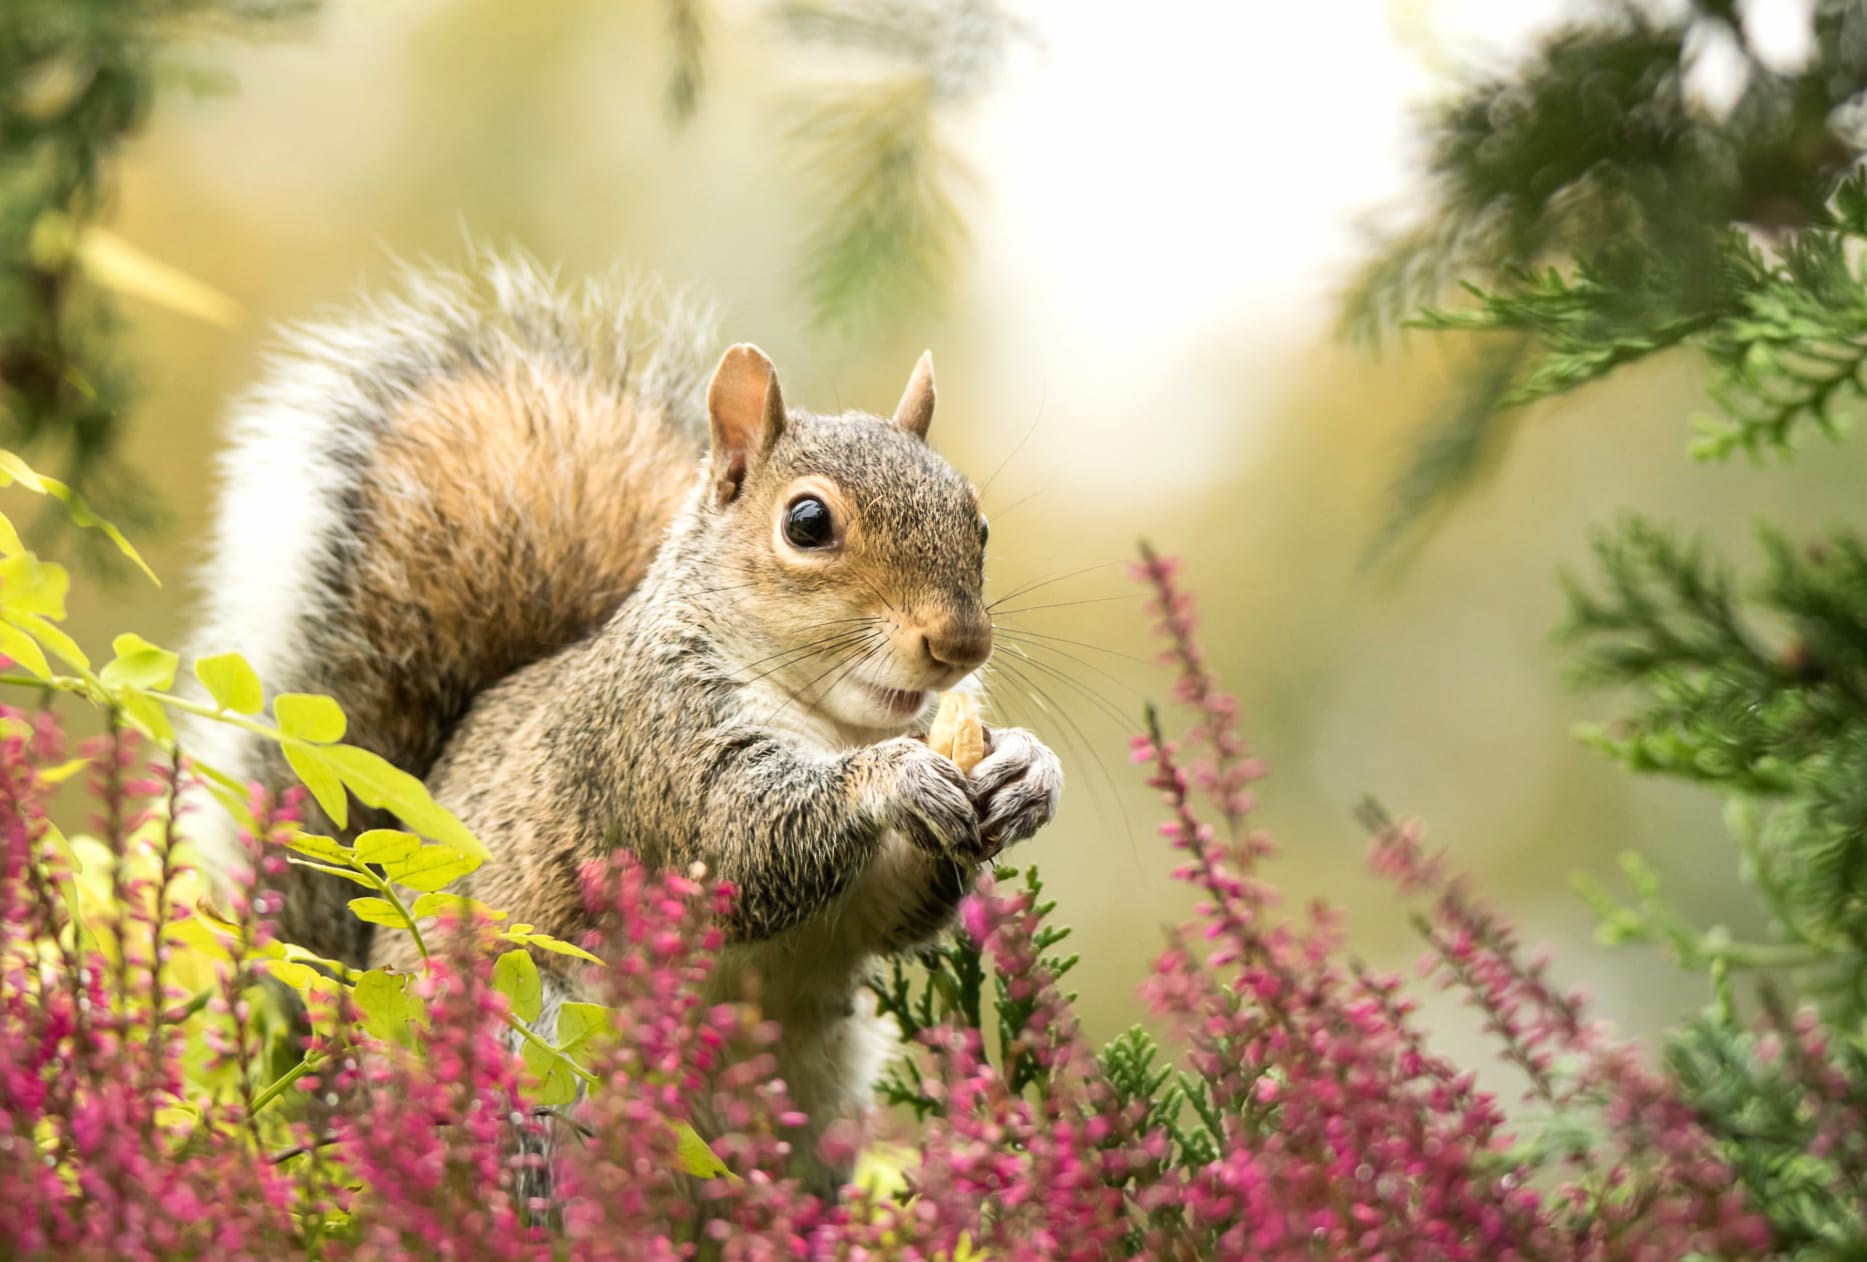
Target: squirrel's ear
{"points": [[915, 411], [747, 413]]}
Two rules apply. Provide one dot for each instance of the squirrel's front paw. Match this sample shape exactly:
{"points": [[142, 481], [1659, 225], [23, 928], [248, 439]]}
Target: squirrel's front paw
{"points": [[1016, 787], [930, 802]]}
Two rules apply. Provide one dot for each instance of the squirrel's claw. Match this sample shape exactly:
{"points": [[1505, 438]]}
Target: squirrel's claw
{"points": [[1016, 788], [933, 803]]}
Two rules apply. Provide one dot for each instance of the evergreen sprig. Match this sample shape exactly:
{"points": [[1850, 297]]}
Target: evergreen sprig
{"points": [[1597, 212], [883, 181], [80, 78]]}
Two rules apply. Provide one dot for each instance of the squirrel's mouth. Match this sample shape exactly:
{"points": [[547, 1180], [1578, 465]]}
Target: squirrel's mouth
{"points": [[898, 702]]}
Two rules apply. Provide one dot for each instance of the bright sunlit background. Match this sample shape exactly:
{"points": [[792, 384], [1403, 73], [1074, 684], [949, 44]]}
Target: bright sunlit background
{"points": [[1164, 206]]}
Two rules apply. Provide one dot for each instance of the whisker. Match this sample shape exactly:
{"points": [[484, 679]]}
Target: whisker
{"points": [[1073, 735], [1017, 632], [1064, 604], [845, 664], [998, 513], [849, 641], [1023, 651], [1107, 706], [1031, 587], [832, 636], [1012, 454]]}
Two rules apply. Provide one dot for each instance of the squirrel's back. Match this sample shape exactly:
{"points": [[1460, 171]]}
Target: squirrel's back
{"points": [[428, 495]]}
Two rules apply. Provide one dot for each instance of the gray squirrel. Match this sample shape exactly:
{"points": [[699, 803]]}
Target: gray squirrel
{"points": [[595, 602]]}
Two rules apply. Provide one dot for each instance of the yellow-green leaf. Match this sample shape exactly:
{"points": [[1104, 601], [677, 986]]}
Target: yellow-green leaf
{"points": [[52, 637], [231, 681], [378, 911], [556, 1083], [13, 469], [386, 845], [63, 771], [310, 717], [9, 538], [388, 1010], [318, 846], [194, 933], [29, 585], [380, 784], [114, 263], [692, 1152], [578, 1022], [331, 869], [430, 868], [146, 714], [23, 649], [301, 977], [309, 764], [516, 977], [523, 935], [456, 904], [139, 664]]}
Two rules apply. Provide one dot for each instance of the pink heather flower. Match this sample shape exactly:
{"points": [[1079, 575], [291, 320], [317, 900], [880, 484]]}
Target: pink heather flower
{"points": [[1319, 1122]]}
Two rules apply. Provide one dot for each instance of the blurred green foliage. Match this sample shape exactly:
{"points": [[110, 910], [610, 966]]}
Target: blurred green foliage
{"points": [[77, 79], [1669, 220], [1599, 211], [879, 173]]}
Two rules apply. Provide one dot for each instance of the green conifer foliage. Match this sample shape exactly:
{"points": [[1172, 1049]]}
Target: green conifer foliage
{"points": [[1597, 212]]}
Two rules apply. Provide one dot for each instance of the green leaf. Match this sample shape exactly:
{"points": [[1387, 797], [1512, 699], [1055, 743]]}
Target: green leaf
{"points": [[431, 868], [23, 649], [389, 1012], [556, 1083], [330, 869], [378, 911], [695, 1157], [10, 544], [13, 469], [457, 904], [231, 681], [52, 637], [524, 936], [516, 977], [579, 1022], [318, 846], [301, 977], [139, 664], [147, 715], [379, 784], [29, 585], [315, 772], [310, 717], [386, 845]]}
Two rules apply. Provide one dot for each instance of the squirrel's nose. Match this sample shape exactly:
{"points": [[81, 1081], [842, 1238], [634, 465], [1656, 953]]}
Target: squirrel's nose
{"points": [[961, 645]]}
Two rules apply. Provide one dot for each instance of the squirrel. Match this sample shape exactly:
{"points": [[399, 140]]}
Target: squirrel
{"points": [[595, 606]]}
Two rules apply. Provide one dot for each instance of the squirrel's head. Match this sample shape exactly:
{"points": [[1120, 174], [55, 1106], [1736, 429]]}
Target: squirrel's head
{"points": [[852, 556]]}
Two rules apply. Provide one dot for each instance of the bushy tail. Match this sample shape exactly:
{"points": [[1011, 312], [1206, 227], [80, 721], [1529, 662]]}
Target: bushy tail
{"points": [[423, 497]]}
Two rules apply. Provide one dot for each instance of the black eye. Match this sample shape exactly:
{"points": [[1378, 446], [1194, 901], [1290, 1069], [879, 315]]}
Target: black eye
{"points": [[807, 523], [985, 532]]}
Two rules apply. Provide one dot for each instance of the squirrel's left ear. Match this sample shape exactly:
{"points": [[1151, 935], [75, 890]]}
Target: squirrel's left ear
{"points": [[915, 411], [747, 414]]}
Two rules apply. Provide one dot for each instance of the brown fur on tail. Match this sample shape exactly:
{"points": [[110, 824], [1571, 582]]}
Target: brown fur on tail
{"points": [[430, 494]]}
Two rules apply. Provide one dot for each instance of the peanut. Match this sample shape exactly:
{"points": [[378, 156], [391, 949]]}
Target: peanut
{"points": [[957, 733]]}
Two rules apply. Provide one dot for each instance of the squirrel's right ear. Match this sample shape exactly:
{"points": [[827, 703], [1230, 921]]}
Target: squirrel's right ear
{"points": [[747, 413]]}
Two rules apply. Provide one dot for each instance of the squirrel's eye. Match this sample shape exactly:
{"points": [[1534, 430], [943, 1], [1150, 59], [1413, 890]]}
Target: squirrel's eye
{"points": [[985, 532], [807, 523]]}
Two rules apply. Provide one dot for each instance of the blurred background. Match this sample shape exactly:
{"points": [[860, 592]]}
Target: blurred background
{"points": [[1127, 257]]}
